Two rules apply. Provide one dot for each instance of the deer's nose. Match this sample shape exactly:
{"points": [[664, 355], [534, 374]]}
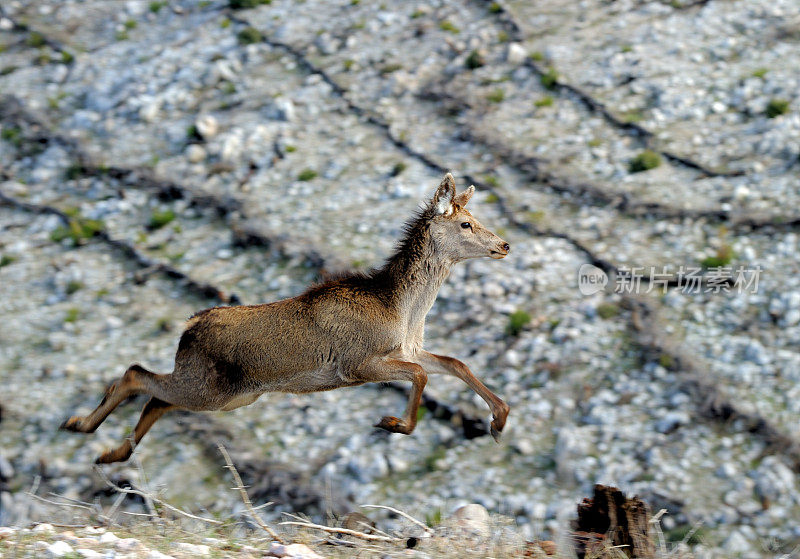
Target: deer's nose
{"points": [[505, 247]]}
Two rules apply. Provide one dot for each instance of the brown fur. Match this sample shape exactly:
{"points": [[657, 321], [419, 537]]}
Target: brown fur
{"points": [[345, 332]]}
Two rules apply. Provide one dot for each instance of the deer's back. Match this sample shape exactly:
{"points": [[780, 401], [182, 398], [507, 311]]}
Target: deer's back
{"points": [[331, 328]]}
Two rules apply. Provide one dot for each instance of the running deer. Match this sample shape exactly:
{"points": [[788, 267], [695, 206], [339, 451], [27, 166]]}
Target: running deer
{"points": [[345, 332]]}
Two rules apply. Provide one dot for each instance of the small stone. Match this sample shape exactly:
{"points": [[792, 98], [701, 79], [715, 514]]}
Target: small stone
{"points": [[44, 529], [295, 551], [195, 153], [195, 550], [6, 532], [473, 519], [515, 54], [284, 109], [88, 553], [127, 545], [206, 126], [108, 537], [58, 549], [158, 555], [6, 469], [149, 111]]}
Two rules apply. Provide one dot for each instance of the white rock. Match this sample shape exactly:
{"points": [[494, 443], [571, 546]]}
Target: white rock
{"points": [[6, 532], [158, 555], [473, 519], [516, 53], [58, 549], [231, 148], [195, 153], [295, 550], [88, 553], [149, 111], [195, 550], [206, 126], [512, 358], [128, 544], [284, 109], [108, 537], [736, 543], [44, 529]]}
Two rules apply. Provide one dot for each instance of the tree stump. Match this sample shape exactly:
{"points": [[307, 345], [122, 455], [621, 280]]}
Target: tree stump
{"points": [[611, 518]]}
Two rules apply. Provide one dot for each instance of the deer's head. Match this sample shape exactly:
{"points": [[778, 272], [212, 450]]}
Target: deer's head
{"points": [[456, 234]]}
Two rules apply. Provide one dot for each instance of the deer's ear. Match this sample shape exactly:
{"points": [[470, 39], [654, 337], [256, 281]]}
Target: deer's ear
{"points": [[443, 199], [463, 198]]}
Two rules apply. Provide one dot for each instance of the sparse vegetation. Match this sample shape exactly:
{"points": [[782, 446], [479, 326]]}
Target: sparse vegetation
{"points": [[645, 161], [35, 40], [398, 168], [249, 36], [723, 256], [7, 259], [78, 230], [495, 8], [73, 286], [777, 107], [549, 79], [607, 310], [536, 56], [492, 181], [634, 115], [546, 101], [130, 24], [496, 96], [516, 322], [12, 135], [155, 7], [159, 219], [72, 315], [390, 68], [760, 73], [348, 64], [448, 26], [475, 60], [307, 175]]}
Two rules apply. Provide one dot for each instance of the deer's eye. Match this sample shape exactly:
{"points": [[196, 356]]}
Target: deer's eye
{"points": [[466, 225]]}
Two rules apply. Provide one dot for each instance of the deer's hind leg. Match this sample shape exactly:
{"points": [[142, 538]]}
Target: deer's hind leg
{"points": [[151, 413], [136, 380]]}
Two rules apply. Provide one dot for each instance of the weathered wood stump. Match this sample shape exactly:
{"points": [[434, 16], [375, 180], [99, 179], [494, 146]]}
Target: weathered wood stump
{"points": [[610, 518]]}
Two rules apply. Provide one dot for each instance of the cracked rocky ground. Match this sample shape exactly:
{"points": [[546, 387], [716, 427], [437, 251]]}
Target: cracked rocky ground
{"points": [[198, 153]]}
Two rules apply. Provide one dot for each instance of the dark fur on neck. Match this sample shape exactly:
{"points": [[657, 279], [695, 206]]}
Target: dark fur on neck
{"points": [[403, 267]]}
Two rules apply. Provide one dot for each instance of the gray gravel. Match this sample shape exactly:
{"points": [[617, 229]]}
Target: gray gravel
{"points": [[319, 166]]}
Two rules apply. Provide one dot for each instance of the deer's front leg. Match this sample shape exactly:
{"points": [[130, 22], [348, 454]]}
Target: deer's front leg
{"points": [[445, 365], [388, 369]]}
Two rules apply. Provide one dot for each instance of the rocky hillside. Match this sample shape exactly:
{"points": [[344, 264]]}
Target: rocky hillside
{"points": [[158, 158]]}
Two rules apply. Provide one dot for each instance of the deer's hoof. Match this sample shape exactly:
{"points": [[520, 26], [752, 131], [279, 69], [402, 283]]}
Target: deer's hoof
{"points": [[393, 425], [72, 424], [111, 456], [496, 428]]}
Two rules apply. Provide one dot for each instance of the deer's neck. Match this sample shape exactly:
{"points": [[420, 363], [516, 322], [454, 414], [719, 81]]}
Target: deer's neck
{"points": [[416, 272]]}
